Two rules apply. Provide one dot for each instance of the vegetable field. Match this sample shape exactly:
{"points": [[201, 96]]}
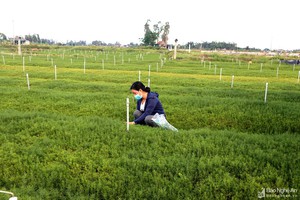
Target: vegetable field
{"points": [[63, 125]]}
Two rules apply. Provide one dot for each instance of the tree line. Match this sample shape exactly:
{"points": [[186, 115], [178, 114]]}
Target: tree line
{"points": [[151, 38], [35, 38], [211, 45]]}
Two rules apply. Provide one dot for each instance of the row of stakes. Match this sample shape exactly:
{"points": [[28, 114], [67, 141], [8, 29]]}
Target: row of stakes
{"points": [[162, 62], [138, 57], [139, 78], [127, 99], [139, 75]]}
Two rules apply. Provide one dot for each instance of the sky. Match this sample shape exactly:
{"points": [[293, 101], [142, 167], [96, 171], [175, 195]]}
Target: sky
{"points": [[273, 24]]}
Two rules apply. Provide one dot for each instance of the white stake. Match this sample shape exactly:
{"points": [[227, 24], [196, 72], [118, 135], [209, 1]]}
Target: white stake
{"points": [[220, 74], [28, 84], [266, 92], [261, 66], [232, 79], [215, 69], [3, 60], [139, 75], [127, 113], [149, 71], [55, 75], [148, 82], [23, 64], [84, 66], [298, 76]]}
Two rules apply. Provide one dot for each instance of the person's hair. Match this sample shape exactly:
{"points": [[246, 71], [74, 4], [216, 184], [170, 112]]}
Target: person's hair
{"points": [[139, 85]]}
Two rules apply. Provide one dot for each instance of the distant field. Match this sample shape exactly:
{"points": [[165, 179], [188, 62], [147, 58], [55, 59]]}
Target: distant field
{"points": [[66, 138]]}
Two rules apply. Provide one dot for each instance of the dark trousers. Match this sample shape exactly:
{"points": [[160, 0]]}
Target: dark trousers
{"points": [[148, 120]]}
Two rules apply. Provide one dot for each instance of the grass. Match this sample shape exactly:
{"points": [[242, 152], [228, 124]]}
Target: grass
{"points": [[67, 139]]}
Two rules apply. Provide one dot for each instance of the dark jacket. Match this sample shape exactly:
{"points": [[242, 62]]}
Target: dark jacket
{"points": [[152, 106]]}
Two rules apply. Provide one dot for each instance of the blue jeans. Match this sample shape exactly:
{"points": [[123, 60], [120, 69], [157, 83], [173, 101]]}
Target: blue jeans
{"points": [[148, 120]]}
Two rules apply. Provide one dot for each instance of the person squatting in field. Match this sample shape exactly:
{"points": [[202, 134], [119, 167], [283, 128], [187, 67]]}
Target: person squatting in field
{"points": [[148, 104]]}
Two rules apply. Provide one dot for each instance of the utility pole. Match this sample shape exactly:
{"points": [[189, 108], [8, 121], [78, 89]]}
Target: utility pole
{"points": [[19, 46]]}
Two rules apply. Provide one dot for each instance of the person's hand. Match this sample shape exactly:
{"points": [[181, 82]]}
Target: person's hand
{"points": [[131, 123]]}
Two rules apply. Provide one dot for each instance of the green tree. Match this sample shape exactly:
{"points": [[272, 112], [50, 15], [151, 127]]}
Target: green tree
{"points": [[35, 38], [212, 45], [151, 37], [165, 34]]}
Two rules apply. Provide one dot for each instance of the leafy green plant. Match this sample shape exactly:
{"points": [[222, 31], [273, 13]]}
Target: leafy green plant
{"points": [[67, 138]]}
